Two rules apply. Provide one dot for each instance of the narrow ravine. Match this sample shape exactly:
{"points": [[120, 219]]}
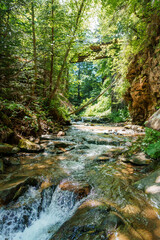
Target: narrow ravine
{"points": [[84, 189]]}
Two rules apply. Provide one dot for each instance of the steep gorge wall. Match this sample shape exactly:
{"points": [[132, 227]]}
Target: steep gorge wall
{"points": [[143, 95]]}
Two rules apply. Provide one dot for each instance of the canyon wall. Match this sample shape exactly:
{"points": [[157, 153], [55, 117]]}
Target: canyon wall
{"points": [[143, 95]]}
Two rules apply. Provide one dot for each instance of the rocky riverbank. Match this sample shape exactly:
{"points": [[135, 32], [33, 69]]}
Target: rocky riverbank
{"points": [[86, 184]]}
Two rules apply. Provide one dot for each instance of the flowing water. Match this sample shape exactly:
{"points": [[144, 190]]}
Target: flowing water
{"points": [[85, 155]]}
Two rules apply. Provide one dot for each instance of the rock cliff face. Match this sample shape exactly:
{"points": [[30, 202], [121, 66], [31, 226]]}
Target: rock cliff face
{"points": [[143, 96]]}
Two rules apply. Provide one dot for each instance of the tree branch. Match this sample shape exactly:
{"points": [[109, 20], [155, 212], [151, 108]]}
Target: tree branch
{"points": [[93, 100]]}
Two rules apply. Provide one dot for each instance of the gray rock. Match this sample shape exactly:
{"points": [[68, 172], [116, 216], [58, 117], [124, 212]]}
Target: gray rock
{"points": [[47, 137], [154, 121], [6, 148], [63, 144], [1, 166], [15, 150], [12, 161], [14, 188], [151, 186], [138, 159], [92, 220]]}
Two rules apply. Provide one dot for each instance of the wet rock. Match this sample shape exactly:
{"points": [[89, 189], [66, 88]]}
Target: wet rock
{"points": [[61, 133], [154, 121], [28, 146], [135, 128], [138, 159], [110, 155], [14, 188], [47, 137], [92, 220], [63, 144], [79, 188], [1, 166], [46, 195], [6, 148], [15, 150], [46, 184], [81, 147], [151, 186], [107, 141], [32, 139], [11, 161], [61, 147]]}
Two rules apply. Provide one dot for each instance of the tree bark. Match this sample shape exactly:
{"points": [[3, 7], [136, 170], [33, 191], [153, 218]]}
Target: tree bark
{"points": [[34, 50], [79, 85], [52, 52]]}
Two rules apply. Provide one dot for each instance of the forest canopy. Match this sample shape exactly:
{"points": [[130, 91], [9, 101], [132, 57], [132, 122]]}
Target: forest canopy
{"points": [[42, 42]]}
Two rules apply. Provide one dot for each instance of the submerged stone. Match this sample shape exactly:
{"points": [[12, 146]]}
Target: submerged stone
{"points": [[92, 220], [79, 188], [8, 161], [151, 186], [137, 159], [63, 144]]}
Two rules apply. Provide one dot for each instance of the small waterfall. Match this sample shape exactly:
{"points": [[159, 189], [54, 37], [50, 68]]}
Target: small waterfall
{"points": [[38, 218]]}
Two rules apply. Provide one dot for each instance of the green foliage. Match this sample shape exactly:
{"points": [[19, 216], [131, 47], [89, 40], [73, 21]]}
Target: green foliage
{"points": [[134, 24], [84, 82], [151, 143], [121, 115], [58, 110], [101, 108], [153, 149]]}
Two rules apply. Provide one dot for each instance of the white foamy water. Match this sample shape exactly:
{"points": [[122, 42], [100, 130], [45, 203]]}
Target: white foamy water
{"points": [[42, 226], [37, 216]]}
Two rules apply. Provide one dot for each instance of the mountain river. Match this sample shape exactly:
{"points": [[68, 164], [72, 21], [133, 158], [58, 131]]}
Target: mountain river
{"points": [[82, 188]]}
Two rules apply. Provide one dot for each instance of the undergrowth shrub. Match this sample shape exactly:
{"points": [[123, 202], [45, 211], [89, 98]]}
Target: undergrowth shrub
{"points": [[151, 143]]}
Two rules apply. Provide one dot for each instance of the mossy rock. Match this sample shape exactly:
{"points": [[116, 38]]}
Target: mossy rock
{"points": [[6, 148], [1, 166], [28, 146]]}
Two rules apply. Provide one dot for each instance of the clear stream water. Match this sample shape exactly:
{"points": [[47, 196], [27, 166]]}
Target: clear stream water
{"points": [[37, 215]]}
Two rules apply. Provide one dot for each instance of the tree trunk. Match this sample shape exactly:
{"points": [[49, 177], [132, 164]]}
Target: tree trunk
{"points": [[34, 51], [58, 81], [94, 99], [52, 53], [44, 78], [79, 85]]}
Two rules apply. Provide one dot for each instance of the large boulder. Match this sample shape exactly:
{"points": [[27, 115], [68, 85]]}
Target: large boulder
{"points": [[6, 148], [154, 121], [139, 159], [79, 188], [151, 186], [28, 146], [91, 221], [14, 188]]}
